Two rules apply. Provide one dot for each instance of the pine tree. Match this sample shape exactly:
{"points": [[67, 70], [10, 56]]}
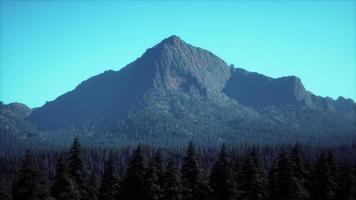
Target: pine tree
{"points": [[300, 172], [153, 179], [109, 186], [4, 190], [323, 181], [346, 184], [284, 186], [133, 184], [76, 164], [64, 187], [252, 183], [222, 178], [194, 184], [77, 170], [93, 184], [27, 186], [159, 167], [171, 189]]}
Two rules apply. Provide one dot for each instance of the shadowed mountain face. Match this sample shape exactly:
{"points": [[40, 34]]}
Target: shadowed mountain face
{"points": [[178, 89]]}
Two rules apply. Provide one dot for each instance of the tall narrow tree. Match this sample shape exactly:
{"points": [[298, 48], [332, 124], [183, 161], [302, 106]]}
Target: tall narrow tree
{"points": [[222, 178], [252, 180], [77, 170], [133, 185], [27, 186], [109, 186], [64, 187], [284, 185], [4, 189], [194, 185], [153, 178], [345, 183], [76, 165], [324, 185], [300, 172], [171, 189]]}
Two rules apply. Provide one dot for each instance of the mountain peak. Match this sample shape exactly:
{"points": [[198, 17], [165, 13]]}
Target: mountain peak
{"points": [[172, 41], [174, 64]]}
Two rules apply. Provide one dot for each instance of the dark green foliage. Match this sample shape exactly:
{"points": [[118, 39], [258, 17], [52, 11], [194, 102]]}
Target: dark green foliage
{"points": [[4, 189], [222, 178], [77, 170], [283, 184], [252, 180], [171, 189], [93, 183], [194, 183], [28, 185], [133, 185], [153, 179], [323, 185], [290, 177], [299, 169], [346, 184], [64, 187], [76, 164], [109, 186]]}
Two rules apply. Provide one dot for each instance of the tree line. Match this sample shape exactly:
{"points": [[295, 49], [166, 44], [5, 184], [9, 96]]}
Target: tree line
{"points": [[288, 178]]}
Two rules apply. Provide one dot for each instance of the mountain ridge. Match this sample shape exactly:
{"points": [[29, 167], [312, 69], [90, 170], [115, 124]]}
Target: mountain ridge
{"points": [[183, 91]]}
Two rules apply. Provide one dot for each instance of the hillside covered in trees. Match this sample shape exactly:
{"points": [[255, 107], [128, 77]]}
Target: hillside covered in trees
{"points": [[145, 173]]}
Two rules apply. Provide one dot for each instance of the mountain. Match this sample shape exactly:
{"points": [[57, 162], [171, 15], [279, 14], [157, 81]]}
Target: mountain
{"points": [[177, 92], [13, 121]]}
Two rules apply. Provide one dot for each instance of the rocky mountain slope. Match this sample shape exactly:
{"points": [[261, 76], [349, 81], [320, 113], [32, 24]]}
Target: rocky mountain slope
{"points": [[177, 92]]}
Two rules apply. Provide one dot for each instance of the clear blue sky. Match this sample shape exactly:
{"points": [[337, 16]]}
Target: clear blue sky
{"points": [[47, 48]]}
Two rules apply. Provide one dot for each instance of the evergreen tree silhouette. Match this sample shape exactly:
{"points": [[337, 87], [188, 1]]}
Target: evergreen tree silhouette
{"points": [[133, 186], [27, 186], [109, 186], [194, 184], [4, 189], [64, 187], [253, 183], [345, 183], [171, 189], [153, 178], [323, 181], [222, 178], [284, 186], [77, 170], [300, 172]]}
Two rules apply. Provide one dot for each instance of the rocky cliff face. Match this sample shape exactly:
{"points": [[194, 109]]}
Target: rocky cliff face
{"points": [[13, 121], [189, 88]]}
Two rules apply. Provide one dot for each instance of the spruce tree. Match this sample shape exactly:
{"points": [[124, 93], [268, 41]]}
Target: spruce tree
{"points": [[157, 162], [109, 186], [323, 181], [27, 186], [252, 180], [4, 190], [194, 185], [171, 189], [299, 171], [284, 186], [76, 165], [93, 183], [222, 178], [77, 170], [133, 186], [346, 184], [153, 179], [64, 187]]}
